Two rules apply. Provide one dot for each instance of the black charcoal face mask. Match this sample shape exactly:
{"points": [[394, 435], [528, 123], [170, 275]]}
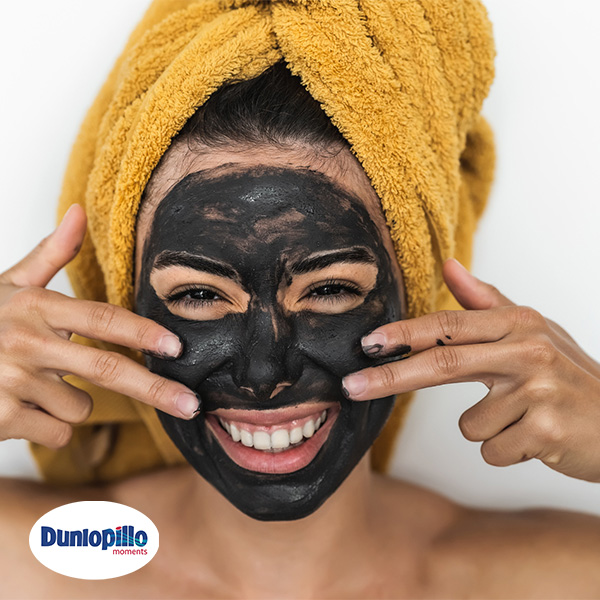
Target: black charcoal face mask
{"points": [[261, 229]]}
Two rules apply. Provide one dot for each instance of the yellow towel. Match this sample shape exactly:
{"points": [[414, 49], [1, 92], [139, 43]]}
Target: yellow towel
{"points": [[403, 81]]}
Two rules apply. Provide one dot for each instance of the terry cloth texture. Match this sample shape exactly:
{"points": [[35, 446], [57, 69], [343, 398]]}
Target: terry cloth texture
{"points": [[403, 81]]}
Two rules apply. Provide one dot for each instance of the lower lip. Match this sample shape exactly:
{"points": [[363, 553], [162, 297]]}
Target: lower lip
{"points": [[286, 461]]}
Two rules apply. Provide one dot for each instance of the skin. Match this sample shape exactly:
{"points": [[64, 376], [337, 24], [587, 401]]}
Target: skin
{"points": [[374, 537]]}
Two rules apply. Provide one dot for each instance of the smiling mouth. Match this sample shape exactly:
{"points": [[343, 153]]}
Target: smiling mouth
{"points": [[275, 438], [278, 441]]}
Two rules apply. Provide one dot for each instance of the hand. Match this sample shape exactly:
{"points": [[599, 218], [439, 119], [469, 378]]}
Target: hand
{"points": [[35, 352], [544, 390]]}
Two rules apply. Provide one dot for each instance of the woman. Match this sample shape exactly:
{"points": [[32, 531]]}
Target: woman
{"points": [[270, 322]]}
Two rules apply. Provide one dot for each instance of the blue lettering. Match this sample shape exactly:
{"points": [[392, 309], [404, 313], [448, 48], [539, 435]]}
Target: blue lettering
{"points": [[48, 536], [108, 538], [141, 538], [95, 538], [62, 539]]}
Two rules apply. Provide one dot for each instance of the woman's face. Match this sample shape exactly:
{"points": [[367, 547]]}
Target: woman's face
{"points": [[270, 271]]}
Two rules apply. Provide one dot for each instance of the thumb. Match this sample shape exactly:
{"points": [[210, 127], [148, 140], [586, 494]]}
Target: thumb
{"points": [[51, 254], [472, 293]]}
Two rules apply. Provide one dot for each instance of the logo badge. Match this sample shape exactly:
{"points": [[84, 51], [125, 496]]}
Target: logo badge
{"points": [[94, 540]]}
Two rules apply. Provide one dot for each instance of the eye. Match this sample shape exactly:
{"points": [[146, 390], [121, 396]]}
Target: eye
{"points": [[332, 291], [195, 296]]}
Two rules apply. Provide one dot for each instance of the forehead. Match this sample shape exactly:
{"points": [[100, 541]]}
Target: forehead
{"points": [[256, 207]]}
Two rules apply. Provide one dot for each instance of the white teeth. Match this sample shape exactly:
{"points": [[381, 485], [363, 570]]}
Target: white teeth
{"points": [[280, 439], [235, 433], [296, 435], [309, 429], [262, 440], [246, 438]]}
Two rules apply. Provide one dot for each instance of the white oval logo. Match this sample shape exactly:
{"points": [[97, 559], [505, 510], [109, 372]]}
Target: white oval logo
{"points": [[94, 540]]}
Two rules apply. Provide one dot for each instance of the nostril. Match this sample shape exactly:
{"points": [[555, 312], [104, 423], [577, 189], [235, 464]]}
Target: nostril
{"points": [[278, 388], [262, 391]]}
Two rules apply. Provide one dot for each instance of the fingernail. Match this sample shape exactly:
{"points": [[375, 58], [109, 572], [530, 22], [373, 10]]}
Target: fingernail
{"points": [[169, 345], [63, 220], [187, 404], [463, 267], [354, 385], [373, 343]]}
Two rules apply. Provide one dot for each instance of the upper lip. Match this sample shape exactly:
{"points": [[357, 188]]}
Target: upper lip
{"points": [[275, 416]]}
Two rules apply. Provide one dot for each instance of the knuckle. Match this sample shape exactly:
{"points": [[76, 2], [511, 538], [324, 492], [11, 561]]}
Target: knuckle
{"points": [[540, 351], [82, 409], [30, 299], [446, 361], [547, 426], [18, 340], [9, 415], [527, 318], [107, 367], [101, 317], [143, 334], [540, 390], [449, 322], [13, 377], [157, 391], [491, 454], [386, 376], [62, 437], [467, 424]]}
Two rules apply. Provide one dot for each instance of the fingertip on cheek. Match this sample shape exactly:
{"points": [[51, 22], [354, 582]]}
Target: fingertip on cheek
{"points": [[187, 404], [373, 343], [355, 385]]}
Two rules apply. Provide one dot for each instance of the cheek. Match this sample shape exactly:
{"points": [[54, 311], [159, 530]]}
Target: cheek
{"points": [[207, 347], [333, 341]]}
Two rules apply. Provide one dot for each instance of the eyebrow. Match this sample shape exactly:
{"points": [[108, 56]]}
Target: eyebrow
{"points": [[357, 254], [169, 258]]}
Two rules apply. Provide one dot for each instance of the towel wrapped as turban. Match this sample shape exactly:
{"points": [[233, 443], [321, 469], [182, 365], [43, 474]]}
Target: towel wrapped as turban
{"points": [[402, 80]]}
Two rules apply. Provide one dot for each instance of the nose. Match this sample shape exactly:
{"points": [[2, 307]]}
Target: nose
{"points": [[262, 366]]}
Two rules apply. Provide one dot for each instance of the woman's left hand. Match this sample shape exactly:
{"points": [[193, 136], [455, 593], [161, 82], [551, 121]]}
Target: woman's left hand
{"points": [[544, 390]]}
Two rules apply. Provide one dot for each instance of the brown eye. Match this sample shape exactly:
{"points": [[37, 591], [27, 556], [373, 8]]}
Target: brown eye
{"points": [[333, 291], [194, 295]]}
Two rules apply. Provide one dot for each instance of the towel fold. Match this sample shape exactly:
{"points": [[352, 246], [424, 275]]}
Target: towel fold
{"points": [[402, 80]]}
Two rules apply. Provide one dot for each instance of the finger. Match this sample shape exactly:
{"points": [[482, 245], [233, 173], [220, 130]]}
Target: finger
{"points": [[18, 421], [60, 399], [437, 366], [471, 293], [538, 434], [450, 328], [51, 254], [120, 374], [498, 409], [109, 323]]}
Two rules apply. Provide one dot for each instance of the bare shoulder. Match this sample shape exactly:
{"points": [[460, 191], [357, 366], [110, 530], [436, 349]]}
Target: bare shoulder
{"points": [[473, 553], [533, 553]]}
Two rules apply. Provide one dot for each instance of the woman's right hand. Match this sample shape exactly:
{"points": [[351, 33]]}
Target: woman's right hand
{"points": [[36, 352]]}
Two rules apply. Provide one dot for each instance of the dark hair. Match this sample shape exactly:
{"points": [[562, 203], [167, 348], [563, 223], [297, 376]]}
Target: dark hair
{"points": [[273, 108]]}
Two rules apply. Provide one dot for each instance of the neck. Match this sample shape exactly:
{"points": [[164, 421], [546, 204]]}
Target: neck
{"points": [[258, 556]]}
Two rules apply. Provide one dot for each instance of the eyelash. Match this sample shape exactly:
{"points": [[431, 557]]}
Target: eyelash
{"points": [[346, 289], [181, 297]]}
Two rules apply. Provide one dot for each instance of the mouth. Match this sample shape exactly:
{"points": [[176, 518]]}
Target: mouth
{"points": [[273, 441]]}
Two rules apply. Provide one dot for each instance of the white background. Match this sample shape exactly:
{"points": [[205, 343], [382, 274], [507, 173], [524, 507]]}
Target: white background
{"points": [[538, 241]]}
